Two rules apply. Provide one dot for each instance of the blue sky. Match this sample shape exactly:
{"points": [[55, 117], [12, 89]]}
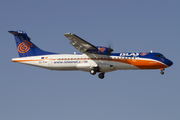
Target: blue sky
{"points": [[28, 92]]}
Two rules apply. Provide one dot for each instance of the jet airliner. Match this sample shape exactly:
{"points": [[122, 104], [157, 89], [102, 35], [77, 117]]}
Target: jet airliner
{"points": [[93, 59]]}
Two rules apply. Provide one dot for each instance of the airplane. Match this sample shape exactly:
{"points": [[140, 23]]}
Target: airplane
{"points": [[93, 59]]}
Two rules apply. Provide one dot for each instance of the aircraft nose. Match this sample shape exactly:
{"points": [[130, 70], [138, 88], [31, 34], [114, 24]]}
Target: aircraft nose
{"points": [[169, 63]]}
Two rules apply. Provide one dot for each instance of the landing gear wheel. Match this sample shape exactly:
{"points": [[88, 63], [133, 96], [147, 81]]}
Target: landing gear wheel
{"points": [[101, 75], [93, 72], [162, 72]]}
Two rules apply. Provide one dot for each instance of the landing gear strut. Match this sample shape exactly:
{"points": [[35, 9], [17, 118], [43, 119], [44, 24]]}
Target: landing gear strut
{"points": [[101, 75]]}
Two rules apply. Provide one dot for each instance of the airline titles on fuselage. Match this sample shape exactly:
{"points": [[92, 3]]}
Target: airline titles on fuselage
{"points": [[59, 62], [129, 54]]}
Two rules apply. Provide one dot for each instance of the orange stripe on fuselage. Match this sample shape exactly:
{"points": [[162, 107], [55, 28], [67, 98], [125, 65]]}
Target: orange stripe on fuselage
{"points": [[27, 60], [32, 60], [148, 64], [142, 64]]}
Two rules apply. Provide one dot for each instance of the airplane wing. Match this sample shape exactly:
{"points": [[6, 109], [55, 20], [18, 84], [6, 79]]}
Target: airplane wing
{"points": [[80, 44]]}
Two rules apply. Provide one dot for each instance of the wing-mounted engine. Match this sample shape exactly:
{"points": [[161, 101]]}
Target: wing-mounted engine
{"points": [[104, 50]]}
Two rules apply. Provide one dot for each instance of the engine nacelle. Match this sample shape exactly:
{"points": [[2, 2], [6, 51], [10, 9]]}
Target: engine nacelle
{"points": [[104, 50]]}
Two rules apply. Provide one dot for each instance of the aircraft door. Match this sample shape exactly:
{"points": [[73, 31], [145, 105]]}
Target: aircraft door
{"points": [[49, 63]]}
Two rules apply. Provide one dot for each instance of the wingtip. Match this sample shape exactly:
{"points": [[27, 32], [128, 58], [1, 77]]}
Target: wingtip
{"points": [[12, 32], [68, 34]]}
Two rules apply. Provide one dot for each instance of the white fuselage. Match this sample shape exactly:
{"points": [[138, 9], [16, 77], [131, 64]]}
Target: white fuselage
{"points": [[77, 62]]}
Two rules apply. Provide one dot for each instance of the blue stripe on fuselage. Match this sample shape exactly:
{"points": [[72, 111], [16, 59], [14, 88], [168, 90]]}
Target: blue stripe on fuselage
{"points": [[148, 55]]}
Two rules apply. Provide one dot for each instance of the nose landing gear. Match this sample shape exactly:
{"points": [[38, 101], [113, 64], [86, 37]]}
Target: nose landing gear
{"points": [[162, 71]]}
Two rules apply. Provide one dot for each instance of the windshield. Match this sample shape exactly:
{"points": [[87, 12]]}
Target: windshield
{"points": [[159, 55]]}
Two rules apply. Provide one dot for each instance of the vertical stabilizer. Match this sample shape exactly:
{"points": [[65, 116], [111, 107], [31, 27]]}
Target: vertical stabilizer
{"points": [[25, 47]]}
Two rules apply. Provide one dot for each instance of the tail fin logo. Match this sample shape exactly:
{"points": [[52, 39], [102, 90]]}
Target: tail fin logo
{"points": [[24, 47]]}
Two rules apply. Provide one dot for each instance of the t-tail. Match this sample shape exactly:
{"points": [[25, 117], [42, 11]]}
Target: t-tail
{"points": [[25, 47]]}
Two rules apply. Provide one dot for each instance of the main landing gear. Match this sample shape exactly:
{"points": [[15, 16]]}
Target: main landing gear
{"points": [[101, 75], [93, 72]]}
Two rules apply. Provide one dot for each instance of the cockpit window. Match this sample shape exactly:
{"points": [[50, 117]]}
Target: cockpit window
{"points": [[159, 55]]}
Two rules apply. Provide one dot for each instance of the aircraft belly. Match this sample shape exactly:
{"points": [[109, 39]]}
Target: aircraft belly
{"points": [[63, 66], [84, 67]]}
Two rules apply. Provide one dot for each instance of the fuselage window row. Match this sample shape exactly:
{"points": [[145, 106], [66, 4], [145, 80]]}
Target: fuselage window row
{"points": [[114, 58]]}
